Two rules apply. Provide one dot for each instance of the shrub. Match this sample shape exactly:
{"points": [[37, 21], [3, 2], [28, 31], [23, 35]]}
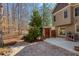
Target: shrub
{"points": [[34, 33]]}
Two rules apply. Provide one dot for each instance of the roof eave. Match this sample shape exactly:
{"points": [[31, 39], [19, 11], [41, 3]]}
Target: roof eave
{"points": [[54, 8]]}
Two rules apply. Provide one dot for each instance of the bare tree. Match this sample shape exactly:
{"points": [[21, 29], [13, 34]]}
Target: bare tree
{"points": [[1, 15], [14, 16], [8, 16]]}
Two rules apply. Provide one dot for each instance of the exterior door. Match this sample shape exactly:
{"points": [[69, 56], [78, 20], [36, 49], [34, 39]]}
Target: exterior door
{"points": [[53, 33], [47, 32]]}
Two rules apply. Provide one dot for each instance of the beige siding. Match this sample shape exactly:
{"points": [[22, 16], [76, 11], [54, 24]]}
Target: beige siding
{"points": [[68, 28], [60, 20], [75, 17], [67, 23]]}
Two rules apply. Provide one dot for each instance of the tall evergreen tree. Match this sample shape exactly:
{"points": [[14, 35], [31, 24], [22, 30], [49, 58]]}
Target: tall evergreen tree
{"points": [[36, 19], [36, 26]]}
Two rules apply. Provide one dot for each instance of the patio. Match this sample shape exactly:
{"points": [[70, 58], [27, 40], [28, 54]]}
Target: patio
{"points": [[61, 42]]}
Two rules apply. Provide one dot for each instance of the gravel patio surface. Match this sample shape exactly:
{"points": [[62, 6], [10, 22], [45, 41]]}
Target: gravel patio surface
{"points": [[44, 49]]}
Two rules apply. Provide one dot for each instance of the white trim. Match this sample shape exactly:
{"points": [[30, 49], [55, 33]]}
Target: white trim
{"points": [[43, 32], [50, 32], [74, 11], [47, 26], [62, 9], [75, 4], [58, 31], [76, 27]]}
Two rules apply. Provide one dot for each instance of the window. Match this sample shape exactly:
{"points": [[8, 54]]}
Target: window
{"points": [[61, 31], [54, 18], [65, 14], [77, 27], [76, 11]]}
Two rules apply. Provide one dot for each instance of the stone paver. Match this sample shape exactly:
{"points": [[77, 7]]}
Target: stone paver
{"points": [[44, 49], [18, 47], [15, 50]]}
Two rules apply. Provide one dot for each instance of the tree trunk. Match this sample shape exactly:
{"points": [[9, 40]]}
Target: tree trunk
{"points": [[1, 12], [1, 40]]}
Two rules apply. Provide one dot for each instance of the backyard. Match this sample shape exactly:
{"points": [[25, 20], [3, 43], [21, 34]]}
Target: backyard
{"points": [[27, 29], [47, 47]]}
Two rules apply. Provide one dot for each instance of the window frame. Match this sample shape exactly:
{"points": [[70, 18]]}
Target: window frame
{"points": [[54, 18], [76, 11], [76, 27], [59, 31], [65, 14]]}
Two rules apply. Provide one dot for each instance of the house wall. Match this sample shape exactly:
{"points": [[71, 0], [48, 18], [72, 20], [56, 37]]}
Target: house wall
{"points": [[60, 20], [67, 23], [59, 6], [75, 17], [68, 28]]}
